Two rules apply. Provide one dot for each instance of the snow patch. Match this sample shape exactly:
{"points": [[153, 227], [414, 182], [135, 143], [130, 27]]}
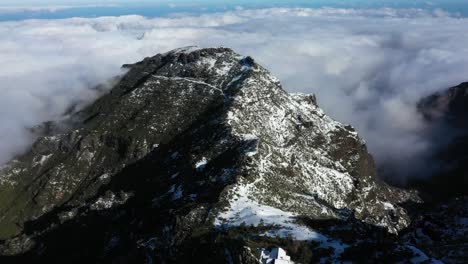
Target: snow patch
{"points": [[201, 164], [109, 200], [187, 80], [104, 176]]}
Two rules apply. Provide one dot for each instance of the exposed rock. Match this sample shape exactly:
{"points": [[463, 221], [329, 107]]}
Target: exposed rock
{"points": [[442, 231]]}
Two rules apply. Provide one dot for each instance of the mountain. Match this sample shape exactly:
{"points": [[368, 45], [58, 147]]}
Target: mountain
{"points": [[441, 228], [199, 155], [449, 105], [446, 113]]}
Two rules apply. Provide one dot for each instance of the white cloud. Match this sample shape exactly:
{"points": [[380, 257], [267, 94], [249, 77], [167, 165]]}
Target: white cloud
{"points": [[367, 67]]}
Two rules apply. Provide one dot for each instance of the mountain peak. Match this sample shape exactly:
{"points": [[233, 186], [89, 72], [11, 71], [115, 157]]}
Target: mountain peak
{"points": [[189, 141], [220, 68]]}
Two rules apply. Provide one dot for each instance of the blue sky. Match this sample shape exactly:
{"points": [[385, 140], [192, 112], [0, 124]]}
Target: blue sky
{"points": [[26, 9], [263, 2]]}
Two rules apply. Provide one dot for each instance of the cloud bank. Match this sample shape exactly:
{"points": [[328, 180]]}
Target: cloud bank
{"points": [[367, 67]]}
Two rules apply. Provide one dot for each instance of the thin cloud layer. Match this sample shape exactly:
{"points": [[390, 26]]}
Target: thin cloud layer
{"points": [[367, 67]]}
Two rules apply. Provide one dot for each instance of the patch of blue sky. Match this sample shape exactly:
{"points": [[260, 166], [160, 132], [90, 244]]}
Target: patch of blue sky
{"points": [[50, 9]]}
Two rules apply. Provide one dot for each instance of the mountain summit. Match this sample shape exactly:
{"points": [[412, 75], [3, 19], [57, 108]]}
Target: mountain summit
{"points": [[192, 151]]}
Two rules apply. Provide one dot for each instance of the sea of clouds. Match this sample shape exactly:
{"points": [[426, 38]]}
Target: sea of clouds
{"points": [[367, 67]]}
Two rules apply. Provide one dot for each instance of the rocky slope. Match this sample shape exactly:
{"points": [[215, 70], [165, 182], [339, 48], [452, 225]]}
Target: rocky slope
{"points": [[441, 231], [197, 153]]}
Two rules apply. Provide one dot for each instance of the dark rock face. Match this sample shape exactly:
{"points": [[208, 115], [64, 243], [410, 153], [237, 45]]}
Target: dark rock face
{"points": [[447, 113], [442, 229], [450, 106], [198, 154]]}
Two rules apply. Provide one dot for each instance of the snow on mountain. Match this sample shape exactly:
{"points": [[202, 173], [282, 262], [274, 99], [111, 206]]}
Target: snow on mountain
{"points": [[192, 143]]}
